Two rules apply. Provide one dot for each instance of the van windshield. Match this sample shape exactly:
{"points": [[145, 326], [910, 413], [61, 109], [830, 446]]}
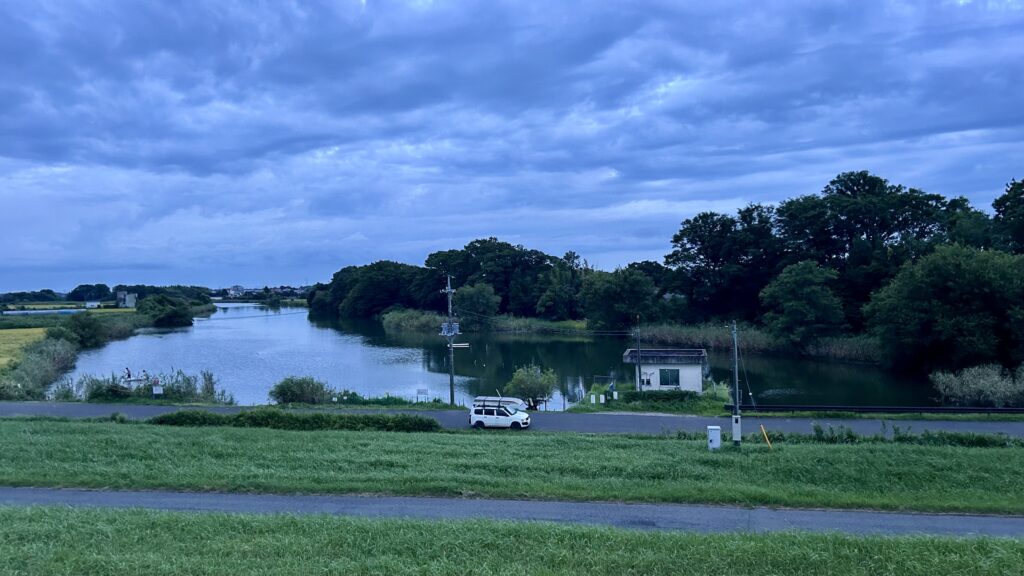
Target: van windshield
{"points": [[511, 410]]}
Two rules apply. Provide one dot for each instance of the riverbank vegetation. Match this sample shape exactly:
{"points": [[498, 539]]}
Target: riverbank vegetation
{"points": [[42, 362], [175, 388], [889, 476], [282, 420], [822, 275], [62, 540], [300, 391]]}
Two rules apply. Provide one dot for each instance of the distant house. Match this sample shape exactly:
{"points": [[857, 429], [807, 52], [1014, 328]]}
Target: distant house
{"points": [[669, 369], [126, 300], [236, 291], [92, 304]]}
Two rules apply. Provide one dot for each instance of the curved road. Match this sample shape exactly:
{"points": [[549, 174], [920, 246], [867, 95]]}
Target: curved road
{"points": [[602, 423], [691, 518]]}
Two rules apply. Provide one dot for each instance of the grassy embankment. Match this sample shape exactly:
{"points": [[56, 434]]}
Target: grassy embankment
{"points": [[890, 476], [82, 541]]}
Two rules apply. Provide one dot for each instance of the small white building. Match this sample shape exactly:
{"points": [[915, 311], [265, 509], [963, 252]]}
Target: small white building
{"points": [[92, 304], [669, 369]]}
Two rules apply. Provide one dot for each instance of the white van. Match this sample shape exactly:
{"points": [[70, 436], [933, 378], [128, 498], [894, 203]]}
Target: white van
{"points": [[498, 413]]}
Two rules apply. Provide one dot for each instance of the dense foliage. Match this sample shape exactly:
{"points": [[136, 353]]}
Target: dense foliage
{"points": [[806, 270], [281, 420], [166, 311], [532, 385], [301, 390], [40, 296], [801, 304], [954, 308]]}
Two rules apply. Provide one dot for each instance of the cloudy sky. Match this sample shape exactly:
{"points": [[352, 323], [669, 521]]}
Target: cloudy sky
{"points": [[272, 143]]}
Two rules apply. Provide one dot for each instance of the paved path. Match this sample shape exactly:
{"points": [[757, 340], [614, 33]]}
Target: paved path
{"points": [[615, 423], [635, 516]]}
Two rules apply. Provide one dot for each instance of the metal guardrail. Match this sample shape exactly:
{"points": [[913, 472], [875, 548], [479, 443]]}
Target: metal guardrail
{"points": [[875, 409]]}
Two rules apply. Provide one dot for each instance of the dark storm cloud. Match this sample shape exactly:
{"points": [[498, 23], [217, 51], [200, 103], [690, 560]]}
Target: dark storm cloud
{"points": [[274, 142]]}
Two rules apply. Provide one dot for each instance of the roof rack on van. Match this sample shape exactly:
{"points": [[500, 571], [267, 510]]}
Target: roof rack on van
{"points": [[495, 401]]}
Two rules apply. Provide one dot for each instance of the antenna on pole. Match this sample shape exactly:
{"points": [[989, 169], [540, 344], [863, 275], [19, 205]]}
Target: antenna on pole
{"points": [[639, 372], [737, 431], [449, 330]]}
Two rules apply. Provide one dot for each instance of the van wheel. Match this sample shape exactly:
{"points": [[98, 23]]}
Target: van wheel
{"points": [[478, 425], [516, 426]]}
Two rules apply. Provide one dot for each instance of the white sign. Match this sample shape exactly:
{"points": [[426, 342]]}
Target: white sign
{"points": [[158, 390]]}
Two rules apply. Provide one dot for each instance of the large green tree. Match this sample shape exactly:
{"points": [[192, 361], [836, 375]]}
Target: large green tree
{"points": [[954, 308], [865, 228], [476, 305], [1009, 218], [85, 292], [722, 262], [612, 300], [801, 304], [561, 287]]}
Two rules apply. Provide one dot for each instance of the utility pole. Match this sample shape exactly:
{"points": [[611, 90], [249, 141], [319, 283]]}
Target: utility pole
{"points": [[639, 373], [737, 432], [449, 330]]}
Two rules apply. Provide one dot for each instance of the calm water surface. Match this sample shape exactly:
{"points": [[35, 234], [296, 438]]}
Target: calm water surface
{"points": [[249, 348]]}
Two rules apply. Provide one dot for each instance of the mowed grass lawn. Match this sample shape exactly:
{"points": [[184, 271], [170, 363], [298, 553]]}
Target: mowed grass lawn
{"points": [[12, 342], [523, 465], [68, 541]]}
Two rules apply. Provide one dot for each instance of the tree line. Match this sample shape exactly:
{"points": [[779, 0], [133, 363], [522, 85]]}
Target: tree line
{"points": [[932, 277]]}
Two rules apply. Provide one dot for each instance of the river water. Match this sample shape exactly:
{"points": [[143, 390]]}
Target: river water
{"points": [[249, 348]]}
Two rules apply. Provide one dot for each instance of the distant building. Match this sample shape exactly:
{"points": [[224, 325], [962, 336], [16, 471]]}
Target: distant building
{"points": [[92, 304], [236, 291], [668, 369], [126, 300]]}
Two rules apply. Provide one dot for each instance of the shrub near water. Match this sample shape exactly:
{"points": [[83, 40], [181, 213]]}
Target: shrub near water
{"points": [[271, 418], [304, 390], [988, 385]]}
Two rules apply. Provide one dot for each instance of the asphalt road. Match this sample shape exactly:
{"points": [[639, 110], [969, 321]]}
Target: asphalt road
{"points": [[633, 516], [607, 423]]}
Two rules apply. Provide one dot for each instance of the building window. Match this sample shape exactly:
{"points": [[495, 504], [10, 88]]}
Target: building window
{"points": [[669, 377]]}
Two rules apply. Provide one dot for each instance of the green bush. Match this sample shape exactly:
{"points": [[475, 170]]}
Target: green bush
{"points": [[281, 420], [62, 333], [658, 396], [88, 329], [191, 418], [301, 390], [104, 389]]}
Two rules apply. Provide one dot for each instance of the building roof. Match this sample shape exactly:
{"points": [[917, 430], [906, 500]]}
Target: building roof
{"points": [[666, 356]]}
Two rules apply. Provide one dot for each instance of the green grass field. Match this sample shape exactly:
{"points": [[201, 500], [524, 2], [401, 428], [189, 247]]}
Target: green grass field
{"points": [[64, 541], [501, 464], [13, 341]]}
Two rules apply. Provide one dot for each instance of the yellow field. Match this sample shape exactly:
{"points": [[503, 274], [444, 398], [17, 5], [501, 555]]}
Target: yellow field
{"points": [[12, 341]]}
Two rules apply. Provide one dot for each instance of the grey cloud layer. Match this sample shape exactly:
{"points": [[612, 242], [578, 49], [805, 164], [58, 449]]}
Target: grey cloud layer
{"points": [[225, 141]]}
